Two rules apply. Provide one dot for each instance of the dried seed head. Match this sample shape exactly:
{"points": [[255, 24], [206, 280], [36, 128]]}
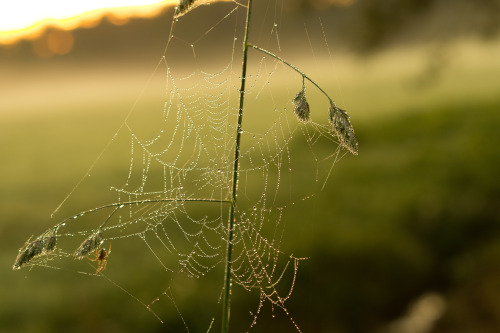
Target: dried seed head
{"points": [[343, 129], [89, 245], [301, 107], [28, 252], [44, 244], [185, 6], [49, 243]]}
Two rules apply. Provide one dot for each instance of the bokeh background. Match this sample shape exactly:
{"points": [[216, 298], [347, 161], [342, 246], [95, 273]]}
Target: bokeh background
{"points": [[404, 238]]}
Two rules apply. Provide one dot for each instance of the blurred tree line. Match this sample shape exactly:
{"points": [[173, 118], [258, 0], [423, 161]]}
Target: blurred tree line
{"points": [[360, 25], [371, 24]]}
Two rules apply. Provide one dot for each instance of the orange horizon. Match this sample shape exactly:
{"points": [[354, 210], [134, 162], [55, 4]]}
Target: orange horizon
{"points": [[116, 15], [89, 19], [51, 37]]}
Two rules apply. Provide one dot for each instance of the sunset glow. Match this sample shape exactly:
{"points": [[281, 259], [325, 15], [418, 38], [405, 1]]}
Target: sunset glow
{"points": [[27, 19]]}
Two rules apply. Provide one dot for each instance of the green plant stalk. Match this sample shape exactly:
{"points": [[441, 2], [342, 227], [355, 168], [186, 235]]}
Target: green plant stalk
{"points": [[119, 205], [226, 302]]}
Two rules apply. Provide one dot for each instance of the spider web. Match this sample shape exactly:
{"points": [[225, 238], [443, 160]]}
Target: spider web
{"points": [[170, 197]]}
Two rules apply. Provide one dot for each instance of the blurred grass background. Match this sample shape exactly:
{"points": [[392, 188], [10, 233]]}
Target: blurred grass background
{"points": [[415, 214]]}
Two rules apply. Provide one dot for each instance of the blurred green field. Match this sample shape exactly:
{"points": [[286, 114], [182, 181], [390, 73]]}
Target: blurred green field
{"points": [[416, 212]]}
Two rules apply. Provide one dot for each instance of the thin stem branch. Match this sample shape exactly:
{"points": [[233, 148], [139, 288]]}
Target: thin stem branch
{"points": [[304, 75], [119, 205], [230, 231]]}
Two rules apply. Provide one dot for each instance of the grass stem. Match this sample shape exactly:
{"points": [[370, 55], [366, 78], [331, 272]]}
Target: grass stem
{"points": [[231, 225], [304, 75]]}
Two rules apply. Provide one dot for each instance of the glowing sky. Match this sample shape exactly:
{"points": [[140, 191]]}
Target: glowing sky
{"points": [[21, 18], [20, 14]]}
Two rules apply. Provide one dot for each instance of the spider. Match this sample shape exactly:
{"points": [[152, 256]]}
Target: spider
{"points": [[100, 256]]}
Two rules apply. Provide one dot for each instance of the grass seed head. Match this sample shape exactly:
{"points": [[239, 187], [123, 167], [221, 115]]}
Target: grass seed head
{"points": [[343, 129], [44, 244], [28, 252], [184, 6], [301, 107], [49, 243], [89, 245]]}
